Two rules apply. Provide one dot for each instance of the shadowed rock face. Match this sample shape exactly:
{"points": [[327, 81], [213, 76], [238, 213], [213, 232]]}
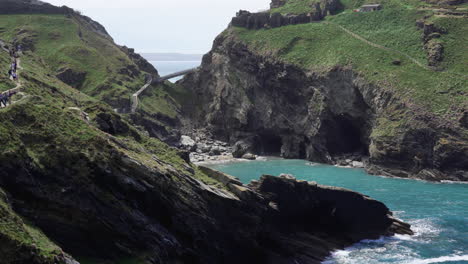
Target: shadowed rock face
{"points": [[113, 207], [265, 106], [74, 79], [317, 12]]}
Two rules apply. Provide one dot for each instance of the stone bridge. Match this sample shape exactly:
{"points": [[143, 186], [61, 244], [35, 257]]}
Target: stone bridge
{"points": [[151, 80], [173, 75]]}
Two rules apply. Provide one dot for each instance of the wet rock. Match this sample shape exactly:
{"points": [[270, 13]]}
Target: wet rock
{"points": [[357, 164], [249, 156], [340, 210]]}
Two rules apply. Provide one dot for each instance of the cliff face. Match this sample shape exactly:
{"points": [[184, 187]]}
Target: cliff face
{"points": [[255, 98]]}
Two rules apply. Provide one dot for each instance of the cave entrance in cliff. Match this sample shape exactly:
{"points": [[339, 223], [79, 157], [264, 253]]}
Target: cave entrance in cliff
{"points": [[345, 135], [270, 144]]}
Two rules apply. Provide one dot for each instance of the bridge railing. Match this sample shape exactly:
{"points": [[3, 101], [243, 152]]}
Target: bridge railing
{"points": [[176, 74]]}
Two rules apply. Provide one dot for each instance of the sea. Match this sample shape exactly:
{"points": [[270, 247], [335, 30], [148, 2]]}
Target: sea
{"points": [[168, 67], [438, 212]]}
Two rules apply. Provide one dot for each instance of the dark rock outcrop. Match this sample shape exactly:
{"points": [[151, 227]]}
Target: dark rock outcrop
{"points": [[109, 205], [141, 62], [277, 3], [72, 78], [432, 45], [266, 20], [317, 12]]}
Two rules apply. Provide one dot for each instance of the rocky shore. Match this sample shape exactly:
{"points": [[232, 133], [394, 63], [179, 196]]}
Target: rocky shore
{"points": [[203, 148]]}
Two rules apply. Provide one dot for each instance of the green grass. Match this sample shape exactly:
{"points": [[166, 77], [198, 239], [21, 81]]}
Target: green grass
{"points": [[321, 46], [64, 42], [295, 7], [455, 43], [166, 99]]}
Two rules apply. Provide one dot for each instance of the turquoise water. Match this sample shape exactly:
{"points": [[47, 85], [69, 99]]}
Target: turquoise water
{"points": [[438, 212], [168, 67]]}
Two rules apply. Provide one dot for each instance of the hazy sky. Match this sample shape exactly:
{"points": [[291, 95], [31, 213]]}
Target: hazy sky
{"points": [[187, 26]]}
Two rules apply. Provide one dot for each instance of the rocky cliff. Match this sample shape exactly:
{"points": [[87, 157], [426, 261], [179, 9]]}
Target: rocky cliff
{"points": [[80, 182], [321, 92]]}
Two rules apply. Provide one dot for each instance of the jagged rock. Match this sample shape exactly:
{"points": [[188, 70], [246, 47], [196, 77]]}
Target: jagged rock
{"points": [[129, 70], [358, 164], [141, 62], [188, 143], [242, 147], [112, 124], [249, 156], [434, 51], [215, 151], [204, 148], [433, 47], [340, 210]]}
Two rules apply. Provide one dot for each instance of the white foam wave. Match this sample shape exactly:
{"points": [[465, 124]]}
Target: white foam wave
{"points": [[454, 182], [425, 229], [438, 260]]}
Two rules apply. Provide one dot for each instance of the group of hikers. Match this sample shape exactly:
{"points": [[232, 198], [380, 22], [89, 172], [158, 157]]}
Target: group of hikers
{"points": [[14, 64], [5, 97]]}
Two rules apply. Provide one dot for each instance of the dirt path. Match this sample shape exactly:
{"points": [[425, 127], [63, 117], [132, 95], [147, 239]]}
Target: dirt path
{"points": [[19, 83], [135, 100], [415, 61], [356, 36]]}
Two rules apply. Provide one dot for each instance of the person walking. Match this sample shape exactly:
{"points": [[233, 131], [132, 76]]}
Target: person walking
{"points": [[1, 101], [5, 99]]}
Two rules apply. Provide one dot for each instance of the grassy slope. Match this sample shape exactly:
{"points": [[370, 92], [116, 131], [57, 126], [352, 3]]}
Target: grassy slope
{"points": [[320, 46], [5, 83], [22, 235], [295, 7], [64, 42], [164, 99]]}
